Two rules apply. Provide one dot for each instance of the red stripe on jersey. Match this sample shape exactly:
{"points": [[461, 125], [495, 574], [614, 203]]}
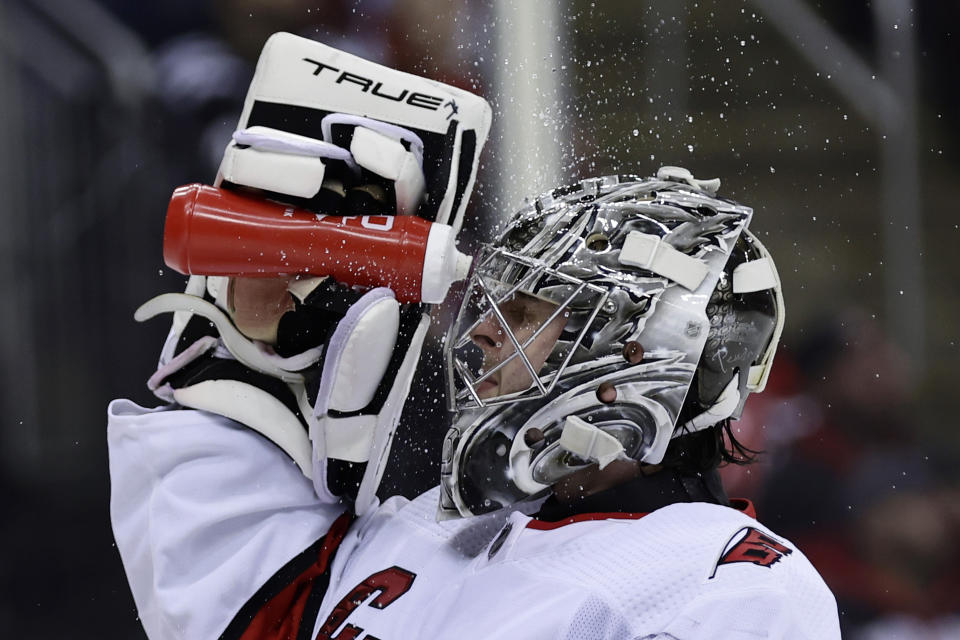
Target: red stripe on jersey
{"points": [[281, 616], [744, 506], [740, 504]]}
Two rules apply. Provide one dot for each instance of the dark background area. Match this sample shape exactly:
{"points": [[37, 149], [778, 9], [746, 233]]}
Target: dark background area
{"points": [[106, 106]]}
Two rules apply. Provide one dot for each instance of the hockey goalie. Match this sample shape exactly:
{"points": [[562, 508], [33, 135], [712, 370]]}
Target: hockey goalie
{"points": [[604, 342]]}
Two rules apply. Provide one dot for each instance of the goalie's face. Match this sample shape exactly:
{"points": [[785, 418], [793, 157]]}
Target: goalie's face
{"points": [[525, 316]]}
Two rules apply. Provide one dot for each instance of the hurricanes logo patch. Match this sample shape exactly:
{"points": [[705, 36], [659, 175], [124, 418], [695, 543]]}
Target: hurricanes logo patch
{"points": [[751, 545]]}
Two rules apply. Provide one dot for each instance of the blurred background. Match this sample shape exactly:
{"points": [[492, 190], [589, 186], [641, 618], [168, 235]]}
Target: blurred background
{"points": [[836, 121]]}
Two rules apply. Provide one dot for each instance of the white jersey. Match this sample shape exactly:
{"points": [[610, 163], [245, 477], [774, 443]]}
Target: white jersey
{"points": [[221, 536]]}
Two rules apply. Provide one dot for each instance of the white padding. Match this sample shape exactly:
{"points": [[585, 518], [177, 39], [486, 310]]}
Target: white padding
{"points": [[293, 175], [759, 373], [650, 252], [680, 174], [255, 408], [387, 157], [350, 438], [365, 357], [589, 442], [756, 275], [755, 376], [390, 130]]}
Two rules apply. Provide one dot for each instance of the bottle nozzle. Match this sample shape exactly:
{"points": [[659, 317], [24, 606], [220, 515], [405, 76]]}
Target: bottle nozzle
{"points": [[463, 265], [443, 264]]}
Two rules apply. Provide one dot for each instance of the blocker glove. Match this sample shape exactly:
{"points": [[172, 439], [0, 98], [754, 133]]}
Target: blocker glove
{"points": [[314, 114], [328, 131]]}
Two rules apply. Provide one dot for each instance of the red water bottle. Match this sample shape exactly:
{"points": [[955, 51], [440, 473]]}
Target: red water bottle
{"points": [[215, 232]]}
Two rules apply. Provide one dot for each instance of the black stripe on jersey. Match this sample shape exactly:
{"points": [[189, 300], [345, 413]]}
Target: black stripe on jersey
{"points": [[288, 603]]}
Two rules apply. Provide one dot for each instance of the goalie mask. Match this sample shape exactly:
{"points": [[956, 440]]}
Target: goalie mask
{"points": [[608, 318]]}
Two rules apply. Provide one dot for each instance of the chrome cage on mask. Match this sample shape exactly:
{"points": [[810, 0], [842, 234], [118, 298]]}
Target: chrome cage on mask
{"points": [[481, 282]]}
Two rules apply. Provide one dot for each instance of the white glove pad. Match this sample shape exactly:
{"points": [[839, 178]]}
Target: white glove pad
{"points": [[358, 355], [278, 161], [387, 157], [293, 175], [282, 162]]}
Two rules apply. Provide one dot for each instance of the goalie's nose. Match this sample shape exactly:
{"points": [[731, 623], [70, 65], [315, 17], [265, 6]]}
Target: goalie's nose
{"points": [[488, 335]]}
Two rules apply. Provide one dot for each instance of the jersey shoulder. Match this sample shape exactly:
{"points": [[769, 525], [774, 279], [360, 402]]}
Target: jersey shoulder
{"points": [[758, 582], [692, 561], [204, 512]]}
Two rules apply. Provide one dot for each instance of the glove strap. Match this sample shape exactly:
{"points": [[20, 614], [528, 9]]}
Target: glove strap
{"points": [[244, 349]]}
